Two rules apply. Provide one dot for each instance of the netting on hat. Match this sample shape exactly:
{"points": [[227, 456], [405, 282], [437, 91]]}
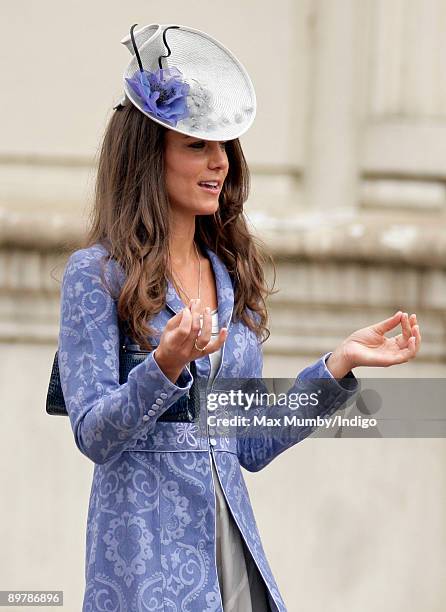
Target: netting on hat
{"points": [[221, 100]]}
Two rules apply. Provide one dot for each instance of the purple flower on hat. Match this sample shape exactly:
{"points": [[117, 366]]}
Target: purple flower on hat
{"points": [[163, 93]]}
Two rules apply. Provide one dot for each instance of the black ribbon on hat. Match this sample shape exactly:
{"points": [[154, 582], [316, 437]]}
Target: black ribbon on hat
{"points": [[135, 48], [166, 45]]}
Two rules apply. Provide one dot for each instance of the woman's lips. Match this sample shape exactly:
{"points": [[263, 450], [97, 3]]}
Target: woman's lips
{"points": [[214, 190]]}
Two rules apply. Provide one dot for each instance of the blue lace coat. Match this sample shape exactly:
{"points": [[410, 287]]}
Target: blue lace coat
{"points": [[150, 540]]}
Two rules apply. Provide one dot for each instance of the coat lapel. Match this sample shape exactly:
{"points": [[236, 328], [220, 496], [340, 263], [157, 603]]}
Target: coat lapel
{"points": [[225, 291]]}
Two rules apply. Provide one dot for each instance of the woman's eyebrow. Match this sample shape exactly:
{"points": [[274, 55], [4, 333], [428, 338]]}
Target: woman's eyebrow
{"points": [[191, 137]]}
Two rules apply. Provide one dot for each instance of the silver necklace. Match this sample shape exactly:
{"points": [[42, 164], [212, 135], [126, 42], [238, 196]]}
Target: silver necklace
{"points": [[199, 277]]}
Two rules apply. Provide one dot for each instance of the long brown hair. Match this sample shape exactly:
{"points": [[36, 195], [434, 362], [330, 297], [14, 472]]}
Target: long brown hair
{"points": [[130, 219]]}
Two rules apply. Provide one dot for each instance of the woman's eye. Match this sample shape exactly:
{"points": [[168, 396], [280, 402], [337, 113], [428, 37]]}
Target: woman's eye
{"points": [[201, 144]]}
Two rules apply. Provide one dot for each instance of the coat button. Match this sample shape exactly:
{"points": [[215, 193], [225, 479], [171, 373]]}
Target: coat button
{"points": [[145, 417], [213, 441], [163, 395], [155, 406], [151, 412], [159, 401]]}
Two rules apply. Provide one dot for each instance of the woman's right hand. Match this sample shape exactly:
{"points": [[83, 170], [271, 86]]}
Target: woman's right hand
{"points": [[177, 343]]}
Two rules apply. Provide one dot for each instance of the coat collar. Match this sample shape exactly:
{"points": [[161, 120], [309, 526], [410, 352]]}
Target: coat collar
{"points": [[225, 291]]}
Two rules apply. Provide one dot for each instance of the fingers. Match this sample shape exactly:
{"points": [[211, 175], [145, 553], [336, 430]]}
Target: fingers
{"points": [[410, 329], [384, 326], [185, 325], [414, 334], [413, 343], [177, 344], [414, 324], [203, 339], [405, 326], [200, 333], [206, 328], [212, 346], [177, 328], [175, 320], [194, 307], [403, 339]]}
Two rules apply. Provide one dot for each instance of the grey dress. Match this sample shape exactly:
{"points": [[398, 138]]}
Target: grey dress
{"points": [[241, 585]]}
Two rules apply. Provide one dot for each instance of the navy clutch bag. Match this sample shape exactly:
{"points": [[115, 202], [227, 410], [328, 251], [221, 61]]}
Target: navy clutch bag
{"points": [[185, 410]]}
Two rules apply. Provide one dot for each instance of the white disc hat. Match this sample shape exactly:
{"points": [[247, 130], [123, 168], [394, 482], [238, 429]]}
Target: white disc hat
{"points": [[189, 82]]}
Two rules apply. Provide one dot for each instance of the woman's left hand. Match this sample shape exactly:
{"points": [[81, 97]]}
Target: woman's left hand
{"points": [[370, 347]]}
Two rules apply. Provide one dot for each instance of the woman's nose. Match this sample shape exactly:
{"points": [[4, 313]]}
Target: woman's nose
{"points": [[217, 156]]}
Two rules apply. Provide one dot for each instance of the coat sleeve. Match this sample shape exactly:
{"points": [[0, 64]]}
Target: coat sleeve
{"points": [[258, 445], [106, 418]]}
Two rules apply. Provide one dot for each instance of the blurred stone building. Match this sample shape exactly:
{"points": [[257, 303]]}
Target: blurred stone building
{"points": [[348, 162]]}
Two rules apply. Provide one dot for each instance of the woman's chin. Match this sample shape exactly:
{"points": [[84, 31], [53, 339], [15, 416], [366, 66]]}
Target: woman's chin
{"points": [[208, 209]]}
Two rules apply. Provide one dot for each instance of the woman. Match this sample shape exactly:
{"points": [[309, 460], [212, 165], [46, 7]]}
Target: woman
{"points": [[170, 525]]}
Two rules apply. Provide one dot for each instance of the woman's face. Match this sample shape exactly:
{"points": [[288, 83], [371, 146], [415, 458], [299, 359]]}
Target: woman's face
{"points": [[189, 162]]}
